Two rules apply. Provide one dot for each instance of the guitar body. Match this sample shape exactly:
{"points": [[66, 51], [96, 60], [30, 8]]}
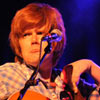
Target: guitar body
{"points": [[29, 95]]}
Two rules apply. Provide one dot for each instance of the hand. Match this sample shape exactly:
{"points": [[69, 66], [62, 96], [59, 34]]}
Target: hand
{"points": [[71, 73], [79, 67]]}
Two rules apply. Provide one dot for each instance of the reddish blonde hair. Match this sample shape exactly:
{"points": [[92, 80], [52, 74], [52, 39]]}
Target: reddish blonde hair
{"points": [[37, 15]]}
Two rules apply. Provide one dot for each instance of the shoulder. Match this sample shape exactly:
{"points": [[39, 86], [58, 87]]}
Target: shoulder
{"points": [[8, 66]]}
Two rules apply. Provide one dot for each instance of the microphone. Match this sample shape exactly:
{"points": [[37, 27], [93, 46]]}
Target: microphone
{"points": [[54, 36]]}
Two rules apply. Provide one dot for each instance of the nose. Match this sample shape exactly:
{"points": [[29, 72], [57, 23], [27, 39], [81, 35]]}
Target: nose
{"points": [[34, 38]]}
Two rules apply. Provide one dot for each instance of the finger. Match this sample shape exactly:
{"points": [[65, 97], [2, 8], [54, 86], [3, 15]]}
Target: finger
{"points": [[75, 89]]}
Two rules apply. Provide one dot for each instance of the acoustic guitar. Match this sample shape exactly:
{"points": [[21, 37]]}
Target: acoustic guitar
{"points": [[29, 95]]}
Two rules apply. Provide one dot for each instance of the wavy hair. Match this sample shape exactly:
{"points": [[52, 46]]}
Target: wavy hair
{"points": [[37, 15]]}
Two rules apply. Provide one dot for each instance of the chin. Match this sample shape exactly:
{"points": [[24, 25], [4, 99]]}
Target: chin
{"points": [[32, 63]]}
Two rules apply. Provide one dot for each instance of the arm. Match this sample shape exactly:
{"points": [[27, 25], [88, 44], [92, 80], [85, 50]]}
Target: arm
{"points": [[82, 66]]}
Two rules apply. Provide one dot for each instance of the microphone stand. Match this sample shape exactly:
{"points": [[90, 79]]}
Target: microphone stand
{"points": [[32, 81]]}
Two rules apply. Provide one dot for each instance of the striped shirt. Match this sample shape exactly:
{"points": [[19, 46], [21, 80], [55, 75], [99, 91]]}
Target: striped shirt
{"points": [[13, 77]]}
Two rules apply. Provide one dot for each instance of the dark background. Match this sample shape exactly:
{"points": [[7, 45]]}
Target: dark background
{"points": [[82, 22]]}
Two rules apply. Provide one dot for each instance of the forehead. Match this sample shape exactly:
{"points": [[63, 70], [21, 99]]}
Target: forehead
{"points": [[42, 29], [28, 27], [42, 24]]}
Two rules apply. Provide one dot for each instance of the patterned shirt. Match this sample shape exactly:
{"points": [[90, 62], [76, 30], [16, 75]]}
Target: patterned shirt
{"points": [[13, 77]]}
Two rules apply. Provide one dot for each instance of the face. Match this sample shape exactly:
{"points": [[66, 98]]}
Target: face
{"points": [[30, 46]]}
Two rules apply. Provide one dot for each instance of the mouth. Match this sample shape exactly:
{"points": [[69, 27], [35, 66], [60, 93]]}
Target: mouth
{"points": [[35, 51]]}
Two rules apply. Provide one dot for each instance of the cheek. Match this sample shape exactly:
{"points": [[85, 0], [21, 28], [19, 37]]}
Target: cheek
{"points": [[23, 46]]}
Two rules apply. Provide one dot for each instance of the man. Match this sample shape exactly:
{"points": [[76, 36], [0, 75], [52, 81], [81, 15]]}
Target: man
{"points": [[32, 31]]}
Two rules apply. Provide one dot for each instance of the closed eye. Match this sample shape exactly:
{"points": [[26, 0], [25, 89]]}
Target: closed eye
{"points": [[39, 33], [26, 34]]}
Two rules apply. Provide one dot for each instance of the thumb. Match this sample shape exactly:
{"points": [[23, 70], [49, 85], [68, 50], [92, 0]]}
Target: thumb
{"points": [[75, 88]]}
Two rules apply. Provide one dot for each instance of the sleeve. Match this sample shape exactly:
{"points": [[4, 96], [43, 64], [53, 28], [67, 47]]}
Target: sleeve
{"points": [[3, 90], [95, 95]]}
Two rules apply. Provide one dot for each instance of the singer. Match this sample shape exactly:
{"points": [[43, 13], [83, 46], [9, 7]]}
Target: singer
{"points": [[33, 28]]}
